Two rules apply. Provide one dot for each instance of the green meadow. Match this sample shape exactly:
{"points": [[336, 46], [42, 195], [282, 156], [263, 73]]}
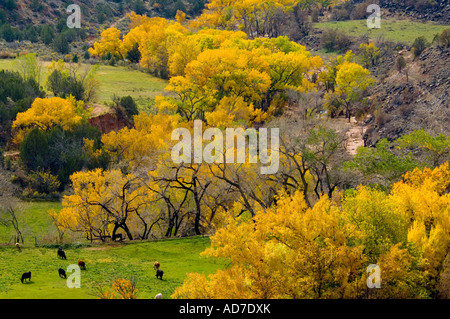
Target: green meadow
{"points": [[104, 264], [123, 81], [400, 31], [112, 80], [34, 223]]}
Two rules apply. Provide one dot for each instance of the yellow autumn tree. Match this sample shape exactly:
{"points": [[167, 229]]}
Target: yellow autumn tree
{"points": [[369, 54], [256, 18], [422, 198], [215, 74], [350, 83], [104, 202], [145, 142], [290, 251], [110, 42], [48, 112]]}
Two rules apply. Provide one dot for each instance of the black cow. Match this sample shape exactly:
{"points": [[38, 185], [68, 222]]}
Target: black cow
{"points": [[26, 275], [62, 273], [81, 264], [61, 253], [159, 274]]}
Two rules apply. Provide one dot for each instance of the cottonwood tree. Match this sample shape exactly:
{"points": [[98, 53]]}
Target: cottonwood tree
{"points": [[292, 250], [192, 180], [312, 155], [104, 202], [289, 251], [9, 206], [351, 82]]}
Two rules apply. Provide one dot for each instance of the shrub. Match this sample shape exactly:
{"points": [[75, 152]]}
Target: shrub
{"points": [[6, 55], [443, 39], [360, 10], [134, 55], [61, 44], [62, 152], [47, 34], [333, 40], [120, 289], [400, 65], [63, 85], [44, 182], [423, 4], [128, 103], [419, 45]]}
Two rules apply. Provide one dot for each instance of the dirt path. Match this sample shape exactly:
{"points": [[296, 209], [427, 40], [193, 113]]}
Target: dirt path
{"points": [[118, 21], [355, 136], [354, 133]]}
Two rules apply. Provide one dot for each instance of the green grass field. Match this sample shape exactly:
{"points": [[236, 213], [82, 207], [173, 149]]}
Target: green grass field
{"points": [[113, 80], [104, 264], [123, 81], [105, 261], [401, 31], [34, 223]]}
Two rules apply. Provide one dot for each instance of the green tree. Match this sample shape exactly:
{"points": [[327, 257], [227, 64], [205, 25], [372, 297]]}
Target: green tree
{"points": [[47, 34], [381, 163], [401, 66], [61, 45], [61, 152], [419, 45]]}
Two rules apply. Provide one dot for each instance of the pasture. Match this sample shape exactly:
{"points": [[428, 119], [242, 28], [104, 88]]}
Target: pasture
{"points": [[399, 31], [104, 263], [112, 80]]}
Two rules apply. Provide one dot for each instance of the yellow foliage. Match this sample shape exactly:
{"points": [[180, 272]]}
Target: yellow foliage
{"points": [[293, 251], [290, 251], [45, 113], [395, 273], [101, 200], [149, 138], [120, 289], [110, 43]]}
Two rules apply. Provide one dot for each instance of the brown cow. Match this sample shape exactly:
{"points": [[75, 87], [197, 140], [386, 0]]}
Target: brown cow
{"points": [[81, 264]]}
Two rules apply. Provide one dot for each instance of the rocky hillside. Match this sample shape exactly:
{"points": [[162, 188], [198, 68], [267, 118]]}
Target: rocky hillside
{"points": [[94, 12], [401, 104], [429, 10]]}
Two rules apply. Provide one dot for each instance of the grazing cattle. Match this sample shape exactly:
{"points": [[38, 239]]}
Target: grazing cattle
{"points": [[61, 253], [156, 265], [26, 275], [62, 273], [158, 296], [159, 274], [81, 264]]}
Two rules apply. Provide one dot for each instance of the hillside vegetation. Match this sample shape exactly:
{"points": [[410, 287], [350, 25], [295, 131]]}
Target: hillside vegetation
{"points": [[113, 148]]}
